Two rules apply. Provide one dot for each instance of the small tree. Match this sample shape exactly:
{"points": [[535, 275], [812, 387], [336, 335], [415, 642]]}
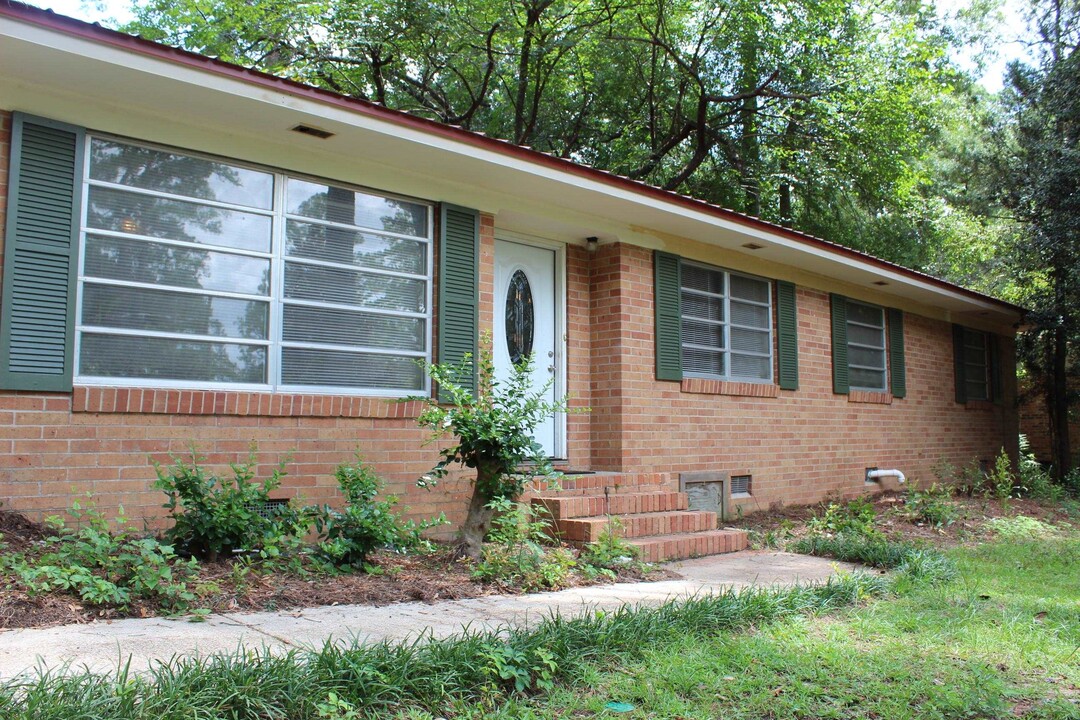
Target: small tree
{"points": [[494, 431]]}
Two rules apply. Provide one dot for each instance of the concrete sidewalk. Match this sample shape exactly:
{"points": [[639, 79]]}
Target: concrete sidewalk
{"points": [[102, 646]]}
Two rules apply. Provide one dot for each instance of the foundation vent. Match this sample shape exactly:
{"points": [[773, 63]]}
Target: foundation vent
{"points": [[740, 486]]}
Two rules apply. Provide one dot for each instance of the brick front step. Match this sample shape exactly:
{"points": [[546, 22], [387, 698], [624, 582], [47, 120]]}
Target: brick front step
{"points": [[565, 507], [664, 548], [616, 483], [589, 529]]}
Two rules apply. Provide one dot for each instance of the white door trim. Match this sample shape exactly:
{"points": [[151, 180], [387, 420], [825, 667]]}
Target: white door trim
{"points": [[560, 322]]}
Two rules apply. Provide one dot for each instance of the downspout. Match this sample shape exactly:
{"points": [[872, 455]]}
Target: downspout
{"points": [[878, 474]]}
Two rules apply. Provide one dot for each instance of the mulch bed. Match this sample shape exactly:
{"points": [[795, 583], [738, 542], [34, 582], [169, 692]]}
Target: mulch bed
{"points": [[398, 578]]}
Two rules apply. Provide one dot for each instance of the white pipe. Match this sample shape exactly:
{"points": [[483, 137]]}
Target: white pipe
{"points": [[877, 474]]}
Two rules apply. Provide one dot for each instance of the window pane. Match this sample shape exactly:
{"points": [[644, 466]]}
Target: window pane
{"points": [[866, 336], [702, 306], [749, 340], [347, 287], [699, 278], [354, 247], [331, 368], [864, 356], [326, 202], [752, 289], [753, 368], [342, 327], [126, 212], [868, 379], [126, 356], [699, 333], [168, 172], [147, 262], [976, 390], [975, 356], [703, 362], [865, 314], [142, 309], [752, 315]]}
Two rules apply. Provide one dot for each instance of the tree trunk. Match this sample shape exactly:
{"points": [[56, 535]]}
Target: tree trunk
{"points": [[477, 524], [1059, 408]]}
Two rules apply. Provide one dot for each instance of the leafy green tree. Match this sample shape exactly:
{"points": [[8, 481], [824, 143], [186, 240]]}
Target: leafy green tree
{"points": [[1042, 174], [812, 113]]}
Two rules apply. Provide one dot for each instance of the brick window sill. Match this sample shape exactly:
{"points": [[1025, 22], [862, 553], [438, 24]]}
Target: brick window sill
{"points": [[704, 386], [980, 405], [871, 398], [150, 401]]}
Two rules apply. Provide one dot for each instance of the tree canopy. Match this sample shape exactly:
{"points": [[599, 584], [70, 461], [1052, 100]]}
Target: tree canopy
{"points": [[818, 114]]}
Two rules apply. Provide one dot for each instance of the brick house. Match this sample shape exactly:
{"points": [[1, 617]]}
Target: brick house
{"points": [[196, 253]]}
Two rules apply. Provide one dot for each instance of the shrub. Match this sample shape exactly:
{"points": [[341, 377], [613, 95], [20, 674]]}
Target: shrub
{"points": [[104, 567], [349, 535], [519, 552], [213, 516], [932, 506], [1035, 481], [493, 431], [856, 517]]}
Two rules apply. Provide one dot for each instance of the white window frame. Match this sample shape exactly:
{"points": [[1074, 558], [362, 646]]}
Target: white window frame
{"points": [[884, 347], [276, 300], [726, 325]]}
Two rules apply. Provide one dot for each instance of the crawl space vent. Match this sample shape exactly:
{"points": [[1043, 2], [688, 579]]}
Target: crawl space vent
{"points": [[740, 486]]}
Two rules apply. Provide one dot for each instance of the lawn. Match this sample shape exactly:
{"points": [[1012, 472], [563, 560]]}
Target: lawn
{"points": [[1001, 641]]}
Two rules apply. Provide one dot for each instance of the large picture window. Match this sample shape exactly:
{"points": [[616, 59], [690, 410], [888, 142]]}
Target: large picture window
{"points": [[726, 325], [201, 273]]}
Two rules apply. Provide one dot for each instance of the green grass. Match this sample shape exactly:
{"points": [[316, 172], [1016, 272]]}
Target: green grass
{"points": [[996, 638], [1000, 641]]}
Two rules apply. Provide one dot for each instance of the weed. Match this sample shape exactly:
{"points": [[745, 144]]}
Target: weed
{"points": [[519, 551], [1000, 481], [1020, 527], [932, 506], [856, 517], [103, 566], [610, 551]]}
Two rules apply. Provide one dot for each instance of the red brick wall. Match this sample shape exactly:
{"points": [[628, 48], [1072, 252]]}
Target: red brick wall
{"points": [[798, 445]]}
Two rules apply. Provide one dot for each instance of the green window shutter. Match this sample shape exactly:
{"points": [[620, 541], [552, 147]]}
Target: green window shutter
{"points": [[667, 277], [959, 375], [994, 350], [897, 370], [459, 289], [839, 344], [37, 316], [787, 336]]}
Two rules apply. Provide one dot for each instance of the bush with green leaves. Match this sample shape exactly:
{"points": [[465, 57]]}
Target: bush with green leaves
{"points": [[932, 505], [493, 429], [855, 517], [215, 516], [520, 552], [347, 536], [104, 566]]}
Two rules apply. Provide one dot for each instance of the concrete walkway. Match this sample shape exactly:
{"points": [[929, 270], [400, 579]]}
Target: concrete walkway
{"points": [[102, 646]]}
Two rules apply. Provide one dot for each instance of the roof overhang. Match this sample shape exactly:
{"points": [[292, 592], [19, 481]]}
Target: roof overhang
{"points": [[73, 71]]}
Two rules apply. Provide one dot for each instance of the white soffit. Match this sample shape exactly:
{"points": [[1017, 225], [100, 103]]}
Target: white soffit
{"points": [[50, 65]]}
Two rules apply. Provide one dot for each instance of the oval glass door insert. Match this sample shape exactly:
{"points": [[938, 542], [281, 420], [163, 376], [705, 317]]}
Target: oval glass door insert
{"points": [[519, 317]]}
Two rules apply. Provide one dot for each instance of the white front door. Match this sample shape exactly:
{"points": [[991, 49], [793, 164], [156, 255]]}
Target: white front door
{"points": [[526, 306]]}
